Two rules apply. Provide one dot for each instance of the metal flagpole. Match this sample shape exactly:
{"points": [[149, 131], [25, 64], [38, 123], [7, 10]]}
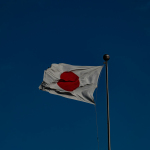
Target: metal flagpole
{"points": [[106, 57]]}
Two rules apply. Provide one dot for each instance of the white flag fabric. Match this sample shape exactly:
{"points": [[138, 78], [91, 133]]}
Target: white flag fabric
{"points": [[74, 82]]}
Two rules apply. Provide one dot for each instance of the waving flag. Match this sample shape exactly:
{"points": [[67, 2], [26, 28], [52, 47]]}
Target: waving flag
{"points": [[74, 82]]}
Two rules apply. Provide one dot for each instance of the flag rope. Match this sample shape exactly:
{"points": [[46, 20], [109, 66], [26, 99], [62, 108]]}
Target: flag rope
{"points": [[96, 116], [96, 119]]}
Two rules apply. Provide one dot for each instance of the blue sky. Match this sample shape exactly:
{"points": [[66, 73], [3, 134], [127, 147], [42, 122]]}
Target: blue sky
{"points": [[34, 34]]}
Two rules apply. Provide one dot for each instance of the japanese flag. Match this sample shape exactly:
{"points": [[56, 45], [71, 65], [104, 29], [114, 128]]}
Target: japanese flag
{"points": [[74, 82]]}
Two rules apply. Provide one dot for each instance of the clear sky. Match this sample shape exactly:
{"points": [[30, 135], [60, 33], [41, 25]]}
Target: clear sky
{"points": [[36, 33]]}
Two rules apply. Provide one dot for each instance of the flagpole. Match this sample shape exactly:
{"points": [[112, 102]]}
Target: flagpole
{"points": [[106, 57]]}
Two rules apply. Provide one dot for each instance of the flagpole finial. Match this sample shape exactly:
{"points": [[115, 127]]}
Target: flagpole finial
{"points": [[106, 57]]}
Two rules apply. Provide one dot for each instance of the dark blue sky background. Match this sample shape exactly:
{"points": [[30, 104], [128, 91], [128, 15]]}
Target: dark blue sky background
{"points": [[36, 33]]}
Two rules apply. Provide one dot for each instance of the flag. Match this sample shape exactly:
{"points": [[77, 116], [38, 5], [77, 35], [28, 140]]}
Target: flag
{"points": [[74, 82]]}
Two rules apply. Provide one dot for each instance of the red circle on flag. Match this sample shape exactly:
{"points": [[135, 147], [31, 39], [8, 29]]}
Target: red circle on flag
{"points": [[69, 81]]}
